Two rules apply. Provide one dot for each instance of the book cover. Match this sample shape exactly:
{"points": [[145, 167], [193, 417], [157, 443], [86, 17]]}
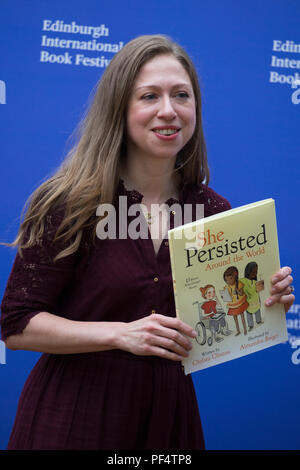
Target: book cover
{"points": [[221, 268]]}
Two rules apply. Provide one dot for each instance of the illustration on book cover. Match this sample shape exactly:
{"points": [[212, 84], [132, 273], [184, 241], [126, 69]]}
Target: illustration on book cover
{"points": [[241, 296]]}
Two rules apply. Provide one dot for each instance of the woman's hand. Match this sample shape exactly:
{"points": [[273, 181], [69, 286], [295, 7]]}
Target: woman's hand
{"points": [[281, 289], [157, 335]]}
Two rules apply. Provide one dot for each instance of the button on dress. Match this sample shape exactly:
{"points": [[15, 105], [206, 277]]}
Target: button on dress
{"points": [[111, 399]]}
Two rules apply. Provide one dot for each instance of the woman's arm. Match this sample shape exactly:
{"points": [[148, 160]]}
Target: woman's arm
{"points": [[156, 335], [53, 334]]}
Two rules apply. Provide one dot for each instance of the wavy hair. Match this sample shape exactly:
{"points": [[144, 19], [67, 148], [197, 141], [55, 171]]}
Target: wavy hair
{"points": [[90, 173]]}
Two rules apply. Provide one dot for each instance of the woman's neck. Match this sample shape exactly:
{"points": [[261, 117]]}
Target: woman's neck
{"points": [[157, 184]]}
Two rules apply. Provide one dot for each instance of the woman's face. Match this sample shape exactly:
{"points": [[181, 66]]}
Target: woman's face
{"points": [[161, 113]]}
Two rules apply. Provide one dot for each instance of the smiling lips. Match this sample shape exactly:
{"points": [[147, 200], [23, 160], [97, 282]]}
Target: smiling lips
{"points": [[166, 132]]}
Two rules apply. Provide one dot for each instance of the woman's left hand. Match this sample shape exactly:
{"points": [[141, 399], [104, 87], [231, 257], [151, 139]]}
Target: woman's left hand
{"points": [[281, 289]]}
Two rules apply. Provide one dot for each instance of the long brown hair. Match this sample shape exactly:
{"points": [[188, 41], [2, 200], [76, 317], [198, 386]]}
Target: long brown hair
{"points": [[90, 172]]}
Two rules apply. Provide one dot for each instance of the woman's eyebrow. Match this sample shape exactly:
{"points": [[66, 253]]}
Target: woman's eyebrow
{"points": [[157, 87]]}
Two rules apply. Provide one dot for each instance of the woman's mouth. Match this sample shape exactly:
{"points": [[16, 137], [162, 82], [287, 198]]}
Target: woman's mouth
{"points": [[166, 133]]}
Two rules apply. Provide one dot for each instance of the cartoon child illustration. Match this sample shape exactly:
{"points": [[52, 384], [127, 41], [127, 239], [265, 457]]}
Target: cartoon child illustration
{"points": [[252, 287], [214, 311], [238, 303]]}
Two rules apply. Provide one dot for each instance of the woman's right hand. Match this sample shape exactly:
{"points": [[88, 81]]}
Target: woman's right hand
{"points": [[157, 335]]}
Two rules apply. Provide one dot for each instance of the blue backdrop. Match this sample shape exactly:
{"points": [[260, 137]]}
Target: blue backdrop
{"points": [[248, 58]]}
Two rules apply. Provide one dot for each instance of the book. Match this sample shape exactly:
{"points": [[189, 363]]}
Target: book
{"points": [[221, 268]]}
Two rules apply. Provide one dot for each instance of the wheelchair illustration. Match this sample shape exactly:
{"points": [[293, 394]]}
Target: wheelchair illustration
{"points": [[208, 329]]}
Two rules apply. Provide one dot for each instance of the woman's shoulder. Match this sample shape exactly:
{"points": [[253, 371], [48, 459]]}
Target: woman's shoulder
{"points": [[45, 242], [40, 246], [213, 202]]}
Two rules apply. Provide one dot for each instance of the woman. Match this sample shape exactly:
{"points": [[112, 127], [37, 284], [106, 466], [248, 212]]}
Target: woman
{"points": [[102, 310]]}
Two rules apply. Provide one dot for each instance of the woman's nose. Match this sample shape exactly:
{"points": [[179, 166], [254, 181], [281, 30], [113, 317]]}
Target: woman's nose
{"points": [[166, 109]]}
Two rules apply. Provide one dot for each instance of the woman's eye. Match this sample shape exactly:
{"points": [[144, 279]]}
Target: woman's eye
{"points": [[182, 94], [149, 96], [153, 96]]}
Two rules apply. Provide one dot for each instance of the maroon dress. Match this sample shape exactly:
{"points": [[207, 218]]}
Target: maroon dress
{"points": [[111, 399]]}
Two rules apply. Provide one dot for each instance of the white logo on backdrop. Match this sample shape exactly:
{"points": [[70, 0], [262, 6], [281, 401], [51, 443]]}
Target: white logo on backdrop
{"points": [[296, 357], [285, 62], [296, 94], [293, 326], [2, 92], [66, 38], [2, 353]]}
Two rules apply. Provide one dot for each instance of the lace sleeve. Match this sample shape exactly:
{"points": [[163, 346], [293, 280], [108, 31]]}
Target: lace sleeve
{"points": [[36, 281]]}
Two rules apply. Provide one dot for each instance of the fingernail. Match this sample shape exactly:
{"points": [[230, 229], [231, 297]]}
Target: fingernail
{"points": [[268, 302]]}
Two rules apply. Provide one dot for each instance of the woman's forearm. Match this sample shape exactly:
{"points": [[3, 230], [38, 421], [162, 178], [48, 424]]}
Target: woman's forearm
{"points": [[154, 335], [52, 334]]}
